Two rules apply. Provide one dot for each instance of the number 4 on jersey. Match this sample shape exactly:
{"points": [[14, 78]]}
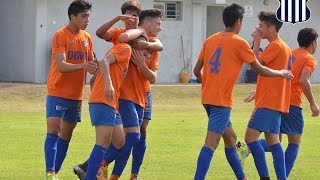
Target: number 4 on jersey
{"points": [[214, 62]]}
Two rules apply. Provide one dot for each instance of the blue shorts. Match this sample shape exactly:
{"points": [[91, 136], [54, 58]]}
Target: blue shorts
{"points": [[67, 109], [148, 107], [102, 114], [118, 120], [219, 118], [131, 113], [265, 120], [293, 122]]}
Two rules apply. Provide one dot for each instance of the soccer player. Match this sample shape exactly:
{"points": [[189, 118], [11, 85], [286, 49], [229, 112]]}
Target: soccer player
{"points": [[221, 59], [72, 57], [103, 103], [303, 65], [150, 20], [272, 97], [133, 95]]}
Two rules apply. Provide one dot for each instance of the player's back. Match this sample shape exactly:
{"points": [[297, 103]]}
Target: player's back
{"points": [[301, 59], [223, 54]]}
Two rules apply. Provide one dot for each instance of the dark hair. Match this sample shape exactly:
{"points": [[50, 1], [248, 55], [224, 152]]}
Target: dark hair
{"points": [[270, 19], [150, 13], [307, 36], [131, 6], [231, 14], [77, 7]]}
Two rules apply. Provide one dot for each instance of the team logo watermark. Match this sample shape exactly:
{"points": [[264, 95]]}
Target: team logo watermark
{"points": [[293, 11]]}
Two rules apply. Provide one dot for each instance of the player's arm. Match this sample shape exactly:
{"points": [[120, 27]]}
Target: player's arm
{"points": [[103, 32], [264, 71], [197, 71], [104, 65], [65, 67], [138, 59], [152, 45], [131, 34], [256, 44], [250, 97], [307, 91]]}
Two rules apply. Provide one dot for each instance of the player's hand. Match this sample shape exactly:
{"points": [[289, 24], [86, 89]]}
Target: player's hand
{"points": [[132, 20], [136, 44], [286, 74], [250, 97], [256, 36], [124, 17], [90, 66], [315, 109], [109, 91], [137, 57]]}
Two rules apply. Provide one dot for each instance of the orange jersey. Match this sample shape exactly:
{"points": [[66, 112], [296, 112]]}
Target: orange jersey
{"points": [[133, 87], [78, 50], [115, 35], [152, 63], [223, 55], [118, 71], [274, 92], [301, 59]]}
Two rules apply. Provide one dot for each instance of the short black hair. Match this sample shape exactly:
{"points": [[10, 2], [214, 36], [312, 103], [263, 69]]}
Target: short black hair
{"points": [[231, 14], [306, 37], [131, 6], [150, 13], [77, 7], [269, 17]]}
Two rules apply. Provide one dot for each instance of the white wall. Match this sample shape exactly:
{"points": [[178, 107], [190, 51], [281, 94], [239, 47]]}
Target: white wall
{"points": [[288, 32], [25, 44], [17, 40]]}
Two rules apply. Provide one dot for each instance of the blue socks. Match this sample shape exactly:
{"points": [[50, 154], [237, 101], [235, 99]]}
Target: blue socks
{"points": [[62, 148], [259, 158], [112, 153], [264, 145], [50, 151], [94, 161], [290, 156], [234, 161], [279, 161], [138, 154], [121, 160], [203, 163]]}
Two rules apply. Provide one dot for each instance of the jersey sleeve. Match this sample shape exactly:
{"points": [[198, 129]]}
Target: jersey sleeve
{"points": [[270, 52], [310, 65], [115, 33], [154, 63], [58, 43], [245, 52]]}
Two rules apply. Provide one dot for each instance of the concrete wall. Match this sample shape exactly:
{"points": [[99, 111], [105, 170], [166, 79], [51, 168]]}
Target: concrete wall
{"points": [[288, 32], [28, 27], [17, 40]]}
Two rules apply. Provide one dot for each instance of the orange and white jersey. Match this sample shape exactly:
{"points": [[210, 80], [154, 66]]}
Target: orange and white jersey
{"points": [[223, 55], [78, 50], [118, 71], [301, 59], [274, 92]]}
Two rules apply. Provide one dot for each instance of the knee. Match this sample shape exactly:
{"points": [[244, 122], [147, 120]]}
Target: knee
{"points": [[143, 131], [230, 142], [53, 127], [119, 143]]}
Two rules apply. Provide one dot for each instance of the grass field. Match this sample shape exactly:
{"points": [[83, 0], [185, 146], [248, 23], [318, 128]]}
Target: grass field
{"points": [[175, 136]]}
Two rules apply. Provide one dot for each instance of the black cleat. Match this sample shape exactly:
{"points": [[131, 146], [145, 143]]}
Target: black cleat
{"points": [[80, 170]]}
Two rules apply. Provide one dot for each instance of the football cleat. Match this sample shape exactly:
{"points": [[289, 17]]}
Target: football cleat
{"points": [[242, 151]]}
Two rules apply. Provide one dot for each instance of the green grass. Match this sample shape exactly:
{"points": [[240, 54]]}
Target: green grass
{"points": [[175, 136]]}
